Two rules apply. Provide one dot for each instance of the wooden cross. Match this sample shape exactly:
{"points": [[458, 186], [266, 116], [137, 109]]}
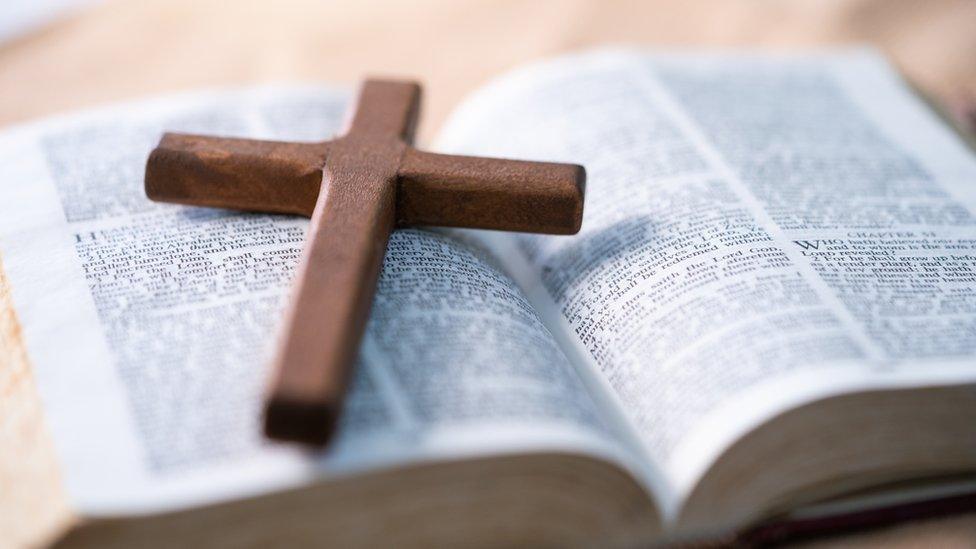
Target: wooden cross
{"points": [[356, 188]]}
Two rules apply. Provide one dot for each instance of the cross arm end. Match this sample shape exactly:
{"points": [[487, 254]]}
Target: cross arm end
{"points": [[243, 174], [490, 193]]}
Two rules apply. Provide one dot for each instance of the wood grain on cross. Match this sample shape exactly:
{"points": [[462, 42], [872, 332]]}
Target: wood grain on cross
{"points": [[356, 188]]}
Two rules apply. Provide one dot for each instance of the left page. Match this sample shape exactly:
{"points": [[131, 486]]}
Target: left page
{"points": [[149, 325]]}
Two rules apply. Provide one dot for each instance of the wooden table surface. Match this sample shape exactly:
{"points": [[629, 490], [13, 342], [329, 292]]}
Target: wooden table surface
{"points": [[124, 49]]}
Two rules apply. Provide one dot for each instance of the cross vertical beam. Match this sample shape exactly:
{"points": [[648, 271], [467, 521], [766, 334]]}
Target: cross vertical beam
{"points": [[350, 228]]}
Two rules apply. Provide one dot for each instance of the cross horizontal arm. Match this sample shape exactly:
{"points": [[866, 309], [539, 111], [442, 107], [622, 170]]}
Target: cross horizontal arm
{"points": [[242, 174], [490, 193]]}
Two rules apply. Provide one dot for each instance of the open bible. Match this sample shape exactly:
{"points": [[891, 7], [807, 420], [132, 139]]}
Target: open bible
{"points": [[769, 317]]}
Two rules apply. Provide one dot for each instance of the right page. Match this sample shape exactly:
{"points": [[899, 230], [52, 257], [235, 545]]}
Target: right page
{"points": [[760, 231]]}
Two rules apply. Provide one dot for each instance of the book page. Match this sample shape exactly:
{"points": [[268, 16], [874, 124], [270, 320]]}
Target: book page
{"points": [[759, 231], [149, 325]]}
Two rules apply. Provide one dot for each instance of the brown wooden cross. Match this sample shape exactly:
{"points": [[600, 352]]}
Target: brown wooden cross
{"points": [[356, 188]]}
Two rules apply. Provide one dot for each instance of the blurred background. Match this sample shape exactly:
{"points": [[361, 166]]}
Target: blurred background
{"points": [[57, 55]]}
